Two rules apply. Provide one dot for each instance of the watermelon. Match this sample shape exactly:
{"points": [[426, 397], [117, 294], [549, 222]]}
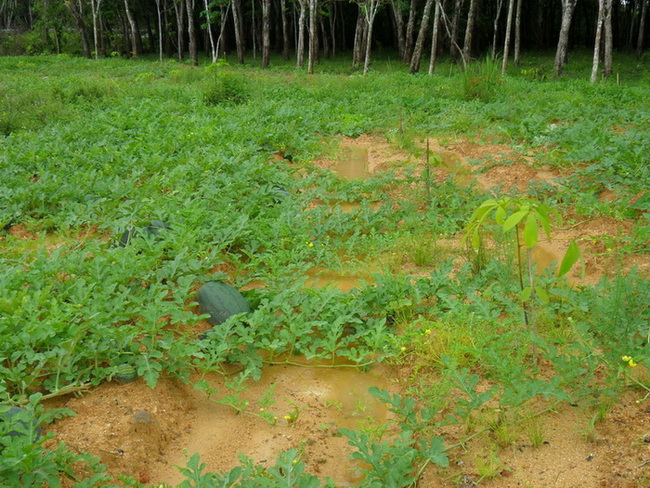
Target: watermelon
{"points": [[221, 300], [126, 373], [151, 230], [17, 422]]}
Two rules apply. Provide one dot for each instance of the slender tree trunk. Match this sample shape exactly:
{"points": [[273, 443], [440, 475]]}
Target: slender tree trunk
{"points": [[370, 13], [639, 42], [239, 37], [135, 44], [434, 37], [469, 31], [410, 29], [208, 27], [359, 37], [609, 41], [453, 38], [414, 66], [225, 10], [95, 6], [179, 8], [506, 44], [300, 49], [313, 35], [568, 7], [599, 32], [285, 30], [332, 22], [266, 33], [398, 18], [160, 30], [75, 9], [518, 33], [191, 32], [496, 29], [325, 37]]}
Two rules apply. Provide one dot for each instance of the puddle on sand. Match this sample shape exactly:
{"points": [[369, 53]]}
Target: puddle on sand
{"points": [[450, 162], [352, 163], [325, 397], [343, 280]]}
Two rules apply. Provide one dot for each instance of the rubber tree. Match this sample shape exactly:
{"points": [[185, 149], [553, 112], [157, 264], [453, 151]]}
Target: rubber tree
{"points": [[506, 43], [639, 42], [369, 8], [76, 9], [300, 48], [434, 37], [518, 33], [568, 7], [266, 33], [95, 6], [495, 29], [597, 42], [414, 65], [313, 35], [469, 31], [191, 32]]}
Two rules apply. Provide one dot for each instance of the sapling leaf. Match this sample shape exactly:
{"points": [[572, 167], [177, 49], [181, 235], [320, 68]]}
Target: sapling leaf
{"points": [[514, 219], [541, 293], [570, 258], [525, 294], [530, 231], [542, 216], [500, 215], [476, 239]]}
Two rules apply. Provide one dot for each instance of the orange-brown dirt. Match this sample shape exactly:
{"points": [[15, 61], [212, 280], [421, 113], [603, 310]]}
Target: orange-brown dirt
{"points": [[147, 432]]}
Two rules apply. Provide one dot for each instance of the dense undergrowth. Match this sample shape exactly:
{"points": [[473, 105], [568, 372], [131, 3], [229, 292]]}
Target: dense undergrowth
{"points": [[90, 148]]}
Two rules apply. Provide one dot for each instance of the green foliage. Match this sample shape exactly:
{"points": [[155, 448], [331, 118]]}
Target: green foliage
{"points": [[481, 80], [227, 88]]}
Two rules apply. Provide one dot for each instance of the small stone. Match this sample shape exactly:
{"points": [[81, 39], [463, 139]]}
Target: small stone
{"points": [[142, 417]]}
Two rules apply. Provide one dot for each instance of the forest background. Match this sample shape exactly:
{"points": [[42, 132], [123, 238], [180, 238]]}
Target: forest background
{"points": [[310, 30]]}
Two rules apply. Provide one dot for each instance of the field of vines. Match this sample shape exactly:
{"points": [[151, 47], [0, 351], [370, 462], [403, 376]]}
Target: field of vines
{"points": [[210, 172]]}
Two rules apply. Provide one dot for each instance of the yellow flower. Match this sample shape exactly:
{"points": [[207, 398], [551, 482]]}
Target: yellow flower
{"points": [[403, 348], [311, 244], [629, 360], [427, 331]]}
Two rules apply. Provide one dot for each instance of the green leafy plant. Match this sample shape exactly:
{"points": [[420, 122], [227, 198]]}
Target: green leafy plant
{"points": [[524, 216]]}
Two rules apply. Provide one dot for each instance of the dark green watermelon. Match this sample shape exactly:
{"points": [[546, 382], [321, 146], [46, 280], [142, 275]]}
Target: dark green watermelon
{"points": [[221, 300], [17, 422], [151, 230]]}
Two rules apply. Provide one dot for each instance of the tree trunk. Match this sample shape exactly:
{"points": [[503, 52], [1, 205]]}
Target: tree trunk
{"points": [[325, 37], [359, 37], [370, 13], [398, 19], [599, 31], [75, 10], [179, 8], [410, 28], [506, 44], [434, 37], [469, 31], [414, 66], [608, 39], [518, 33], [208, 22], [266, 33], [285, 30], [95, 6], [191, 32], [453, 38], [135, 37], [568, 7], [639, 42], [300, 49], [239, 37], [313, 35], [496, 29]]}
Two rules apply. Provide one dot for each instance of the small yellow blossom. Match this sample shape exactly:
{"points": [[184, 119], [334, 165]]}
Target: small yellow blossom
{"points": [[427, 331], [629, 360], [311, 244], [261, 409], [403, 348]]}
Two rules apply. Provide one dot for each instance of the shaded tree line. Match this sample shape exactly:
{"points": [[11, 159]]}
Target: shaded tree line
{"points": [[310, 30]]}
